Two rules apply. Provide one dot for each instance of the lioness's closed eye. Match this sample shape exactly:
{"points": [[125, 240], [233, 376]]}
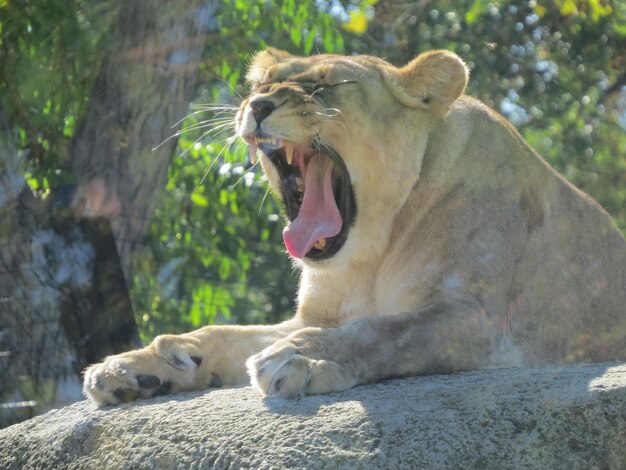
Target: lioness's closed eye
{"points": [[430, 238]]}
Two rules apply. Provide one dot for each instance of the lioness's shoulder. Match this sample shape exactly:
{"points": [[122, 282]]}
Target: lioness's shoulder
{"points": [[485, 127], [466, 106]]}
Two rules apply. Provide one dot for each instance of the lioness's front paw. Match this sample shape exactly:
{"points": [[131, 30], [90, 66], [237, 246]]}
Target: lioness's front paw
{"points": [[170, 364], [301, 364]]}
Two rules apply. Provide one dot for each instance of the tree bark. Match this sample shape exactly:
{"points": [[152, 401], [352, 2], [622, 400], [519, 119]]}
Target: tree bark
{"points": [[63, 301], [146, 81]]}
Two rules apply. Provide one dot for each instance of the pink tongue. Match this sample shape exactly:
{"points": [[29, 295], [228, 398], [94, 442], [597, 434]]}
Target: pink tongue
{"points": [[319, 216]]}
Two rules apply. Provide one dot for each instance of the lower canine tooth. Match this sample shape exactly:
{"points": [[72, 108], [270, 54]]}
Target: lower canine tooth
{"points": [[320, 244]]}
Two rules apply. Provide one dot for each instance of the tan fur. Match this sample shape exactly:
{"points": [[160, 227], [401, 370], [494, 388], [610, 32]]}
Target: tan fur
{"points": [[467, 250]]}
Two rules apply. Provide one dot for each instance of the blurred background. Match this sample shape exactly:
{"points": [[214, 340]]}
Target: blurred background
{"points": [[127, 209]]}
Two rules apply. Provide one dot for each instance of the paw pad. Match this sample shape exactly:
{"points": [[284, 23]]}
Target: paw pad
{"points": [[148, 381], [163, 389]]}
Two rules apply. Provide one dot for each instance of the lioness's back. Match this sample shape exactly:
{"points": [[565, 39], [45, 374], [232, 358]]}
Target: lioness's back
{"points": [[572, 268]]}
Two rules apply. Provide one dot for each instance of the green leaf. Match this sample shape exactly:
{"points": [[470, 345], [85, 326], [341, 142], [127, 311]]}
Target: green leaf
{"points": [[199, 200], [68, 128], [224, 269], [328, 40], [478, 8], [310, 40], [225, 72], [569, 7], [296, 36], [195, 315], [620, 29]]}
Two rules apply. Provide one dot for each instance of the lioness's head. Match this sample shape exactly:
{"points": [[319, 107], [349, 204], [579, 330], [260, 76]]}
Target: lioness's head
{"points": [[341, 140]]}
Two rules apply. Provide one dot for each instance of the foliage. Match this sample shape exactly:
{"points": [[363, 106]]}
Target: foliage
{"points": [[213, 251], [48, 61]]}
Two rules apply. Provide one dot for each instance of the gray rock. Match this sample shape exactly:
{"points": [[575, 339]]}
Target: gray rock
{"points": [[571, 417]]}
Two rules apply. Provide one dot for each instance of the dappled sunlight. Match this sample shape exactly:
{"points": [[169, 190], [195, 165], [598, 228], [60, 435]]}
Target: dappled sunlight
{"points": [[611, 379]]}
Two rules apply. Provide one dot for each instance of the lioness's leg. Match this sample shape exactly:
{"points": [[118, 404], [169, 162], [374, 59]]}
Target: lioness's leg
{"points": [[437, 339], [214, 355]]}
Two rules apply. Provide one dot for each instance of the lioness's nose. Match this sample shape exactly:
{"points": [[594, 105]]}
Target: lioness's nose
{"points": [[261, 108]]}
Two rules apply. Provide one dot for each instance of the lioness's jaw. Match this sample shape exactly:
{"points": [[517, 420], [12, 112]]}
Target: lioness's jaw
{"points": [[314, 185]]}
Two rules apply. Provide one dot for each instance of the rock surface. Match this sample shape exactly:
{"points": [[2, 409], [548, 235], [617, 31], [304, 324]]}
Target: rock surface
{"points": [[571, 417]]}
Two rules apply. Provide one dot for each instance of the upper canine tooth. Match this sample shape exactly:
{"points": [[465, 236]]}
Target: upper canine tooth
{"points": [[289, 151], [252, 148]]}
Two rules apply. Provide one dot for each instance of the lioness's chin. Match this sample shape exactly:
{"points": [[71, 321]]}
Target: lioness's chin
{"points": [[317, 195]]}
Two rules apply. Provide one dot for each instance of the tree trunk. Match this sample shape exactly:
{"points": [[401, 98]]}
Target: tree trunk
{"points": [[63, 300], [146, 81]]}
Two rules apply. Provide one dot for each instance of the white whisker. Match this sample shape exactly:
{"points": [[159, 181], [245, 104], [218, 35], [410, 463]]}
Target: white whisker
{"points": [[332, 121], [267, 191], [317, 141], [229, 143], [204, 109], [177, 134], [244, 174], [328, 112], [222, 106], [222, 125], [220, 128], [231, 87]]}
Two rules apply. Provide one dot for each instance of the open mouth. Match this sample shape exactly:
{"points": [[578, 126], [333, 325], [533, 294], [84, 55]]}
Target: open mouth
{"points": [[316, 192]]}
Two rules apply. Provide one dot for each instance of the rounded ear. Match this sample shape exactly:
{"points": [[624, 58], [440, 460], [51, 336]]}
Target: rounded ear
{"points": [[432, 80], [263, 60]]}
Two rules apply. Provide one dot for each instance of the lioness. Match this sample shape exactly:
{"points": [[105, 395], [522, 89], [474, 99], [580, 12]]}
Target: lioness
{"points": [[430, 239]]}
